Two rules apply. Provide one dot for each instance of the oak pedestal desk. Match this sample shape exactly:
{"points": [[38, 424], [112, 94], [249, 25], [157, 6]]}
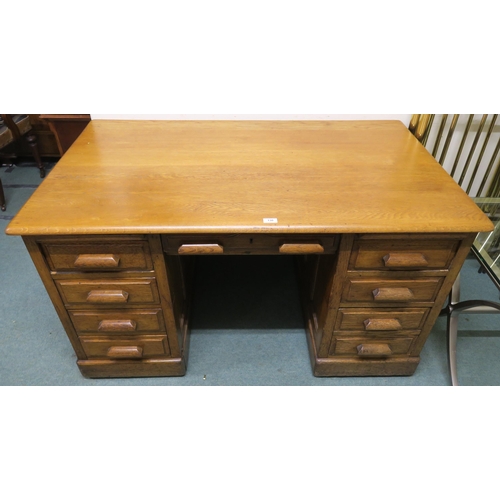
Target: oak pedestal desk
{"points": [[378, 229]]}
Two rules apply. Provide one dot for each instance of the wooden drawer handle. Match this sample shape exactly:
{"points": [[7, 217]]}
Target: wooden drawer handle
{"points": [[405, 259], [382, 324], [107, 296], [392, 294], [374, 350], [97, 260], [117, 325], [121, 352], [205, 248], [300, 248]]}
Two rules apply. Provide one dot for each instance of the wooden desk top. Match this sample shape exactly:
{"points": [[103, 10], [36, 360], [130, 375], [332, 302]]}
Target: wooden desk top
{"points": [[127, 177]]}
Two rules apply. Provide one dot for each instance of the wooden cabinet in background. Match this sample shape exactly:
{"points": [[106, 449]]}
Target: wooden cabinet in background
{"points": [[46, 140], [65, 129], [54, 133]]}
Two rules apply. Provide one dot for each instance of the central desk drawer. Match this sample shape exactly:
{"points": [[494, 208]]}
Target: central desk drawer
{"points": [[111, 292], [98, 255], [248, 244], [127, 321]]}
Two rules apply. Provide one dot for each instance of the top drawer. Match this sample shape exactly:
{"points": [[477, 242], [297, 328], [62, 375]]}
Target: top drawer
{"points": [[249, 244], [401, 254], [97, 255]]}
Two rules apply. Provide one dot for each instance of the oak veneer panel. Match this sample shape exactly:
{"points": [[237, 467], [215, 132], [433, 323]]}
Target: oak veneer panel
{"points": [[456, 265], [315, 274], [332, 295], [228, 176], [44, 272], [174, 298]]}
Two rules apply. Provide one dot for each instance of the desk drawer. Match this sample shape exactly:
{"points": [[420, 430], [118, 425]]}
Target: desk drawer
{"points": [[110, 293], [98, 255], [127, 321], [379, 291], [371, 348], [374, 321], [248, 244], [139, 347], [402, 254]]}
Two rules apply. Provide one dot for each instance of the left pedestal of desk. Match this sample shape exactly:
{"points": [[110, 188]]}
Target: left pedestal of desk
{"points": [[123, 303]]}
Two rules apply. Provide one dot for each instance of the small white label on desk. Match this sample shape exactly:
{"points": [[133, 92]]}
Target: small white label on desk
{"points": [[270, 220]]}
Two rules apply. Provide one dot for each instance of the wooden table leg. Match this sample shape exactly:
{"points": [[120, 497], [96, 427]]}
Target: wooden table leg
{"points": [[2, 198]]}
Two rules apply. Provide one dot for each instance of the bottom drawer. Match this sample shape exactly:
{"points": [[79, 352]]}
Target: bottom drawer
{"points": [[371, 348], [144, 346]]}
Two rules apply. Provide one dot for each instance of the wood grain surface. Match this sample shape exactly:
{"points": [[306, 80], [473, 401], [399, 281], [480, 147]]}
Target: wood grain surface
{"points": [[137, 177]]}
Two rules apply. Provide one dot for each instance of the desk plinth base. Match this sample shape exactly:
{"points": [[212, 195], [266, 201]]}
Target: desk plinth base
{"points": [[346, 367], [103, 368]]}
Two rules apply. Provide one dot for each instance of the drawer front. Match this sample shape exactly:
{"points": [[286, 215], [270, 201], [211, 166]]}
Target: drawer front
{"points": [[372, 321], [139, 347], [113, 292], [402, 254], [98, 256], [127, 321], [371, 348], [249, 244], [379, 291]]}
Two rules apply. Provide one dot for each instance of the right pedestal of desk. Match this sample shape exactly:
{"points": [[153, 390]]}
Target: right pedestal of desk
{"points": [[370, 307]]}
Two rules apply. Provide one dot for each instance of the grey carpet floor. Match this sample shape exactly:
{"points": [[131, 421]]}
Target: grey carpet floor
{"points": [[247, 328]]}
